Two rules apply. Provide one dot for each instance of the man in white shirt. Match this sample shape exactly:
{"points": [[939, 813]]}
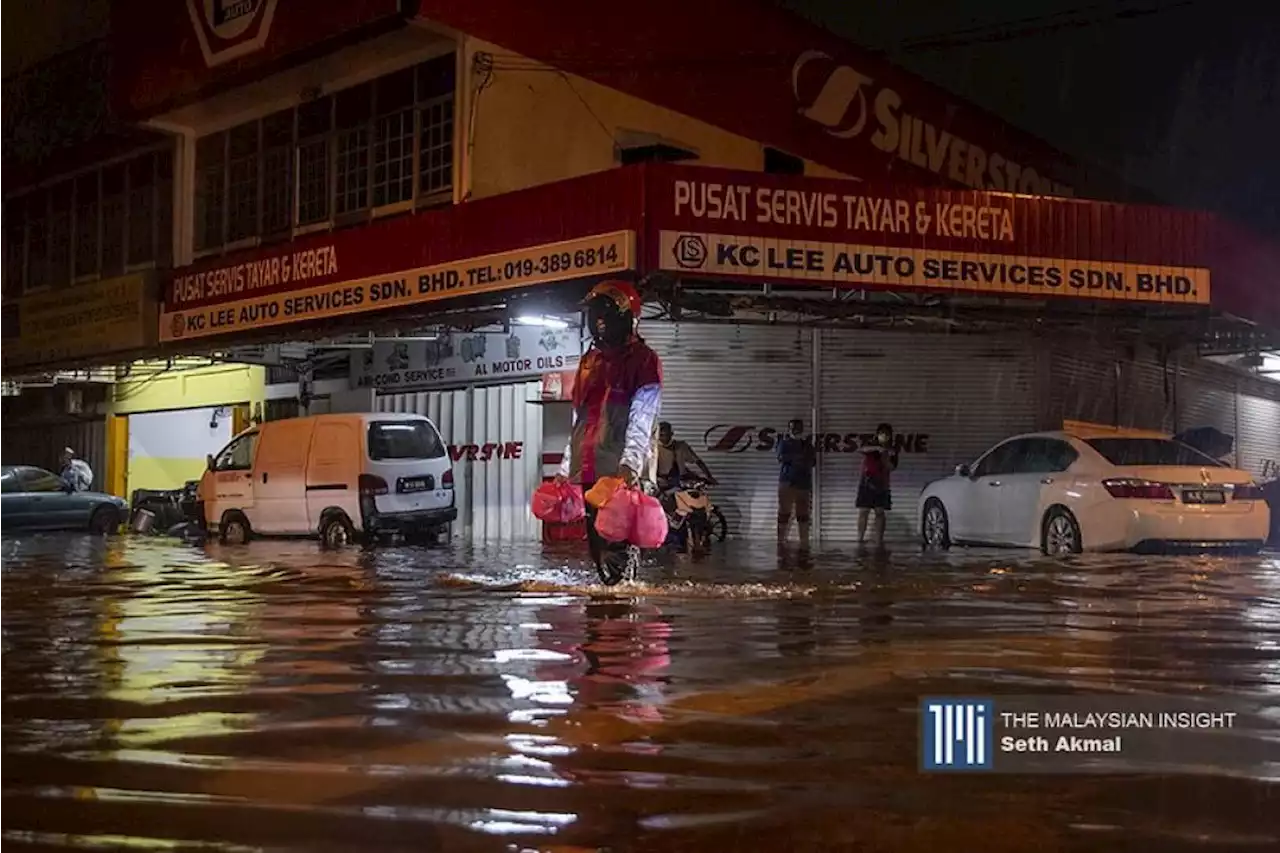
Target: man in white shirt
{"points": [[76, 473]]}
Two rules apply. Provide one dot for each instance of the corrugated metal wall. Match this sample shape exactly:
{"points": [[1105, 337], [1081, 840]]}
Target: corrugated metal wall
{"points": [[1206, 398], [949, 397], [494, 495], [42, 445], [717, 377], [1101, 384], [1258, 434]]}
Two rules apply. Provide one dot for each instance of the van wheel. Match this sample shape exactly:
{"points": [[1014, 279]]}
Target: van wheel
{"points": [[336, 530], [234, 529]]}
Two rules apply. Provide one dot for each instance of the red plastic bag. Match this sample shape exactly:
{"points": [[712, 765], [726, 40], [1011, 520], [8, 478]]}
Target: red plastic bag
{"points": [[616, 518], [558, 503], [648, 522]]}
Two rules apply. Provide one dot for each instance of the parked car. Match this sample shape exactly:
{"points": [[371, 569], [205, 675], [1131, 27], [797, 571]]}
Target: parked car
{"points": [[336, 476], [1067, 492], [35, 499]]}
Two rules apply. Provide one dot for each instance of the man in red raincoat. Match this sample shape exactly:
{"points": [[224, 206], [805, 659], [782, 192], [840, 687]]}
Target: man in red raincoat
{"points": [[616, 399]]}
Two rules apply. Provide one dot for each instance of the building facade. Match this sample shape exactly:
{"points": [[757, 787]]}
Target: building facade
{"points": [[395, 206]]}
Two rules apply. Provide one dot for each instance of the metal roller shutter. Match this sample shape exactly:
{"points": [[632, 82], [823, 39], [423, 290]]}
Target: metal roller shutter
{"points": [[949, 399], [727, 390], [493, 495], [1206, 398], [1082, 387], [42, 445], [1258, 433], [1146, 395]]}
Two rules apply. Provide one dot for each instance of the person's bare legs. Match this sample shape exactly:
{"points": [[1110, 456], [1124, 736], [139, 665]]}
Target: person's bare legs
{"points": [[863, 512], [879, 528]]}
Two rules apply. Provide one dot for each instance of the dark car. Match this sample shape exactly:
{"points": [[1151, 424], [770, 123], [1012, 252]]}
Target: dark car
{"points": [[35, 499]]}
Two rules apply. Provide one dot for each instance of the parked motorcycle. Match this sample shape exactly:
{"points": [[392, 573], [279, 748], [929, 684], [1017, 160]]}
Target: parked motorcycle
{"points": [[693, 518], [163, 510]]}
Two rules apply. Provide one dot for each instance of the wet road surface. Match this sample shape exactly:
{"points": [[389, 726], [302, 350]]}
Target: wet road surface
{"points": [[282, 697]]}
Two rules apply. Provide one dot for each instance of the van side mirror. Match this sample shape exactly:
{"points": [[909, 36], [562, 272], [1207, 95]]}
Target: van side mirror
{"points": [[964, 471], [208, 461]]}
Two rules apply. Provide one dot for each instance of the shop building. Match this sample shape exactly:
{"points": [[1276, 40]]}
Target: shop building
{"points": [[368, 199]]}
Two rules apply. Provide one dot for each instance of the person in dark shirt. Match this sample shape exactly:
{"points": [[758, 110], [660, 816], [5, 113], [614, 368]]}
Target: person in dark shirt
{"points": [[796, 461], [874, 497]]}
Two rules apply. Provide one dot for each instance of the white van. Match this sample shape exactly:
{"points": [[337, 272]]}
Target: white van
{"points": [[332, 475]]}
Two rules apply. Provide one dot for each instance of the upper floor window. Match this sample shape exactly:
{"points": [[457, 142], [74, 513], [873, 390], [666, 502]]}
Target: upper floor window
{"points": [[379, 147], [98, 223]]}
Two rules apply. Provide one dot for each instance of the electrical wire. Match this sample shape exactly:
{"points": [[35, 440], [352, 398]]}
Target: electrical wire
{"points": [[1039, 25]]}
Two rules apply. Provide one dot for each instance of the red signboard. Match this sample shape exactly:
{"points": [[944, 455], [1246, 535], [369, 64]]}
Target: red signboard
{"points": [[572, 229], [754, 69], [168, 53], [749, 226]]}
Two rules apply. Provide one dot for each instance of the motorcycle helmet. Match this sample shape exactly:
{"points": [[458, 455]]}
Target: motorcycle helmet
{"points": [[613, 309]]}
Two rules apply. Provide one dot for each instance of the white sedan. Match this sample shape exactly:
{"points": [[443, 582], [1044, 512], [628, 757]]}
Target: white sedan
{"points": [[1066, 492]]}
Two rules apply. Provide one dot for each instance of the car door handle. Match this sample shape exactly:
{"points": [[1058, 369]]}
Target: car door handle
{"points": [[1046, 480], [993, 482], [264, 476]]}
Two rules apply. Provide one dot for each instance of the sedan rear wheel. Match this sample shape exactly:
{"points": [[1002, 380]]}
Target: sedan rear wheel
{"points": [[1061, 533], [104, 521]]}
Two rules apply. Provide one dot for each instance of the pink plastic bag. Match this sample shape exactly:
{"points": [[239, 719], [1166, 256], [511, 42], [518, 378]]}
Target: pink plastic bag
{"points": [[616, 518], [649, 522], [558, 503]]}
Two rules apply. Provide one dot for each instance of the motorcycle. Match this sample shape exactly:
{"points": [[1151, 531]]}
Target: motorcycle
{"points": [[167, 510], [692, 517]]}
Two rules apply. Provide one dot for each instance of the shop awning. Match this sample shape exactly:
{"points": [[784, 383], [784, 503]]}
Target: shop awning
{"points": [[705, 224]]}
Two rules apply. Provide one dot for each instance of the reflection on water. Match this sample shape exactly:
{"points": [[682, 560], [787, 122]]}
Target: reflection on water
{"points": [[281, 697]]}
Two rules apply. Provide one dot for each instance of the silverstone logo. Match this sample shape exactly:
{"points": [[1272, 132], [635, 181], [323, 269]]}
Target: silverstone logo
{"points": [[956, 734], [230, 29], [834, 105]]}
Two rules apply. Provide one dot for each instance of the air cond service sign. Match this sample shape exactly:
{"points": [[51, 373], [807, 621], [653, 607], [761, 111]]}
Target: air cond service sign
{"points": [[587, 256], [931, 240]]}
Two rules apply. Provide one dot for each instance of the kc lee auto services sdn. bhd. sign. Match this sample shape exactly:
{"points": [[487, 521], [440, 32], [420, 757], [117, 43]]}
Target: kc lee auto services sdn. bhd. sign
{"points": [[295, 285], [843, 233]]}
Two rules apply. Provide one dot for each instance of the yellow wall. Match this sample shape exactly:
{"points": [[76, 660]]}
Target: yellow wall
{"points": [[156, 390], [221, 385], [148, 473], [534, 126]]}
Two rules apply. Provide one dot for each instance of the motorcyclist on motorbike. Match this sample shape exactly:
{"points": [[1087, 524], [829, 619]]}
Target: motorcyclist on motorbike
{"points": [[676, 460], [616, 398]]}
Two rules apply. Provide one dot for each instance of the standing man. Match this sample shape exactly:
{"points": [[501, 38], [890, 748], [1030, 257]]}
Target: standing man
{"points": [[76, 473], [796, 461], [616, 398]]}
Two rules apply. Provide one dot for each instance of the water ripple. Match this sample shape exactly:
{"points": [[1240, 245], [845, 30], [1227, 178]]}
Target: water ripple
{"points": [[282, 697]]}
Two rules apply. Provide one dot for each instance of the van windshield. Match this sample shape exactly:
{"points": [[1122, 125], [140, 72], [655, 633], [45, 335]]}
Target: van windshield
{"points": [[404, 440]]}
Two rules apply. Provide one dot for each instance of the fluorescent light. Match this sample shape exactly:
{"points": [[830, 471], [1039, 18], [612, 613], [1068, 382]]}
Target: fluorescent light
{"points": [[542, 320]]}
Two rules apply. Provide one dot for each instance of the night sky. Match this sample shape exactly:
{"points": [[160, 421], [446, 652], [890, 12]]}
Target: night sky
{"points": [[1179, 96]]}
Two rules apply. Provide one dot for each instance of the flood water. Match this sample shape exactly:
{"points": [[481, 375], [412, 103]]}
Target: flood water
{"points": [[282, 697]]}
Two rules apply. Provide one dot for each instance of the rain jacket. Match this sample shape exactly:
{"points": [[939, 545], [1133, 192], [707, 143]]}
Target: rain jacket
{"points": [[616, 399]]}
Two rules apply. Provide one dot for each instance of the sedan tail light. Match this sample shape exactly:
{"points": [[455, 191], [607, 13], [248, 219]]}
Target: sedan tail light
{"points": [[371, 484], [1143, 489], [446, 480], [1247, 492]]}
